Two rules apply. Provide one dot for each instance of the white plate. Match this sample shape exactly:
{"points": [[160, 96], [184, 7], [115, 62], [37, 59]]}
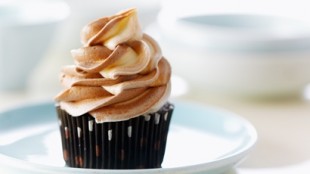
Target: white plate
{"points": [[201, 139]]}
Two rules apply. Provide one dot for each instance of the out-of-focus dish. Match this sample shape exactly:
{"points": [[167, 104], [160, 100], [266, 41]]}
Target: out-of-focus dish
{"points": [[27, 30], [240, 54]]}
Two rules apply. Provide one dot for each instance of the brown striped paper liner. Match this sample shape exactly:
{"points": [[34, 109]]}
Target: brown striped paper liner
{"points": [[137, 143]]}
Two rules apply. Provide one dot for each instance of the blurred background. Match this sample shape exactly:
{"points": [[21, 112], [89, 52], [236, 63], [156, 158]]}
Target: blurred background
{"points": [[256, 49], [251, 57]]}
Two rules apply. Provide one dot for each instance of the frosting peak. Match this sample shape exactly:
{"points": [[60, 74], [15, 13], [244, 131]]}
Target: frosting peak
{"points": [[119, 73], [111, 31]]}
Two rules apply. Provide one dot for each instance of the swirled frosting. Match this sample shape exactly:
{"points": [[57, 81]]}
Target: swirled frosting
{"points": [[119, 73]]}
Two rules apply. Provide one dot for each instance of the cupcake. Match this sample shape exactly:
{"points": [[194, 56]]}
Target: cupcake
{"points": [[114, 111]]}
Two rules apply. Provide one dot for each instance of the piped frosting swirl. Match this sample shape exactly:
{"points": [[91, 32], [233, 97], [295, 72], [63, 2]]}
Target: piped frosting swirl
{"points": [[119, 73]]}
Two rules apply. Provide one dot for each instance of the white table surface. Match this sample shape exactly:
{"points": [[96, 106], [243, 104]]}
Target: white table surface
{"points": [[283, 145]]}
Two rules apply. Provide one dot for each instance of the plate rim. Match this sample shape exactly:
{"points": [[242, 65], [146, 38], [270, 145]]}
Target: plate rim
{"points": [[229, 160]]}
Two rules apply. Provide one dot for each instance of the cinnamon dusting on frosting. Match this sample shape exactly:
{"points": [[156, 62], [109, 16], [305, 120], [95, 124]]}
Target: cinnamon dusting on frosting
{"points": [[119, 73]]}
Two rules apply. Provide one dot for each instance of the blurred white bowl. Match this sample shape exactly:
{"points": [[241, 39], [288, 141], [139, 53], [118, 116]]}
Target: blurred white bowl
{"points": [[26, 30], [238, 54]]}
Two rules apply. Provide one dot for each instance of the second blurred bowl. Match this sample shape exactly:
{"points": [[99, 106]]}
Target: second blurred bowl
{"points": [[238, 54], [26, 29]]}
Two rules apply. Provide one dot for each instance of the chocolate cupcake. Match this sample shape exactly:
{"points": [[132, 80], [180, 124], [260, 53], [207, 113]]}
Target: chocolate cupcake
{"points": [[113, 112]]}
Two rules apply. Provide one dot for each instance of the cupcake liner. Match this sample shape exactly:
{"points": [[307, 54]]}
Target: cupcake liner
{"points": [[136, 143]]}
